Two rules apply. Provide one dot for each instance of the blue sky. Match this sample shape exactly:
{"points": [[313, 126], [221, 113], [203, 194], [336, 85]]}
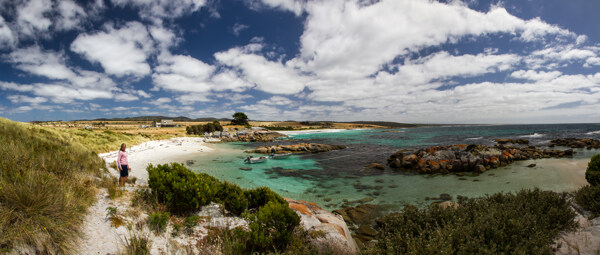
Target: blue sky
{"points": [[418, 61]]}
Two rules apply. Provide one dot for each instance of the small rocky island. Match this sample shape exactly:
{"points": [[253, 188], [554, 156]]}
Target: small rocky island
{"points": [[297, 148], [470, 158]]}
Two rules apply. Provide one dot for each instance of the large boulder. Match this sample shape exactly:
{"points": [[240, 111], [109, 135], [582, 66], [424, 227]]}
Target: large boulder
{"points": [[335, 233]]}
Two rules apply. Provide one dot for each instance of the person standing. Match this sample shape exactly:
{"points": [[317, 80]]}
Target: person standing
{"points": [[123, 165]]}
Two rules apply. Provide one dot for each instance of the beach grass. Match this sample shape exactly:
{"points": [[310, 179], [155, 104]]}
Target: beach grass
{"points": [[47, 182]]}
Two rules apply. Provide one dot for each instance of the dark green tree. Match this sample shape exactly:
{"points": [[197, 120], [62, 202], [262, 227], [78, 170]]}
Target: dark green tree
{"points": [[239, 118], [592, 174], [217, 125]]}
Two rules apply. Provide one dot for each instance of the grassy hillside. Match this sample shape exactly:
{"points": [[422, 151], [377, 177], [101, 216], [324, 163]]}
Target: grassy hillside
{"points": [[46, 184]]}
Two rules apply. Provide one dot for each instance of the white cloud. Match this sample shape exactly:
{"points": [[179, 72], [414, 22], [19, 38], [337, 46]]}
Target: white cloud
{"points": [[295, 6], [268, 76], [182, 74], [237, 28], [156, 10], [33, 17], [71, 15], [164, 37], [7, 37], [16, 99], [277, 100], [535, 76], [345, 39], [161, 101], [121, 51], [38, 62]]}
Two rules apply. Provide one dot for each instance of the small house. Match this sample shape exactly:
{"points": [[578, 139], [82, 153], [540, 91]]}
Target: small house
{"points": [[165, 123]]}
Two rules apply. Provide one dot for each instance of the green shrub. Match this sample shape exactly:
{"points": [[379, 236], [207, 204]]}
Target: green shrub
{"points": [[158, 221], [589, 198], [190, 223], [592, 174], [272, 226], [261, 196], [137, 244], [232, 197], [181, 190], [522, 223]]}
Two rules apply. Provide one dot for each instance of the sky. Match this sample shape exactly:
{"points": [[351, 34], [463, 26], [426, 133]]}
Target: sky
{"points": [[413, 61]]}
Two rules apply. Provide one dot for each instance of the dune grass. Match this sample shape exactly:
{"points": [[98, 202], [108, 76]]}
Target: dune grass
{"points": [[47, 181]]}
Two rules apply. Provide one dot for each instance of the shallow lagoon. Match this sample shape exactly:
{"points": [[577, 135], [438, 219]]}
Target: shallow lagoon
{"points": [[332, 178]]}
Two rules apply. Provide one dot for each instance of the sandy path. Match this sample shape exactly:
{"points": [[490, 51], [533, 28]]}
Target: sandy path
{"points": [[102, 238]]}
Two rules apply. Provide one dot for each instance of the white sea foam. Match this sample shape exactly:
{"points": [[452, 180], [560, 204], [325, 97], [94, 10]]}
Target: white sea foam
{"points": [[597, 132], [535, 135], [474, 138]]}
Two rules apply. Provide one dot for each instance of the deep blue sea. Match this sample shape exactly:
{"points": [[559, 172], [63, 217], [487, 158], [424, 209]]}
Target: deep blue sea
{"points": [[333, 178]]}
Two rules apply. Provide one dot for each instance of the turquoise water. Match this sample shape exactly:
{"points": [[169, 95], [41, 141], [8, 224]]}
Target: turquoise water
{"points": [[333, 178]]}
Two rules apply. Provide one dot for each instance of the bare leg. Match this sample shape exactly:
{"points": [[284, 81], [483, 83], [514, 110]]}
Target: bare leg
{"points": [[125, 181]]}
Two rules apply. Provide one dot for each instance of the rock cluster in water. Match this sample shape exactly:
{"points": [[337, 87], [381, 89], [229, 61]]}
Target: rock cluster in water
{"points": [[297, 148], [254, 137], [588, 143], [463, 158]]}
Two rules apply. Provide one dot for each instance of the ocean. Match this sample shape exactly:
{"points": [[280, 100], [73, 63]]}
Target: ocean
{"points": [[336, 179]]}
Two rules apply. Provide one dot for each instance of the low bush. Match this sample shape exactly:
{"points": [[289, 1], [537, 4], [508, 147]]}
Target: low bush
{"points": [[524, 223], [589, 198], [181, 190], [157, 222], [190, 223], [592, 174], [271, 221], [261, 196], [232, 197], [272, 227]]}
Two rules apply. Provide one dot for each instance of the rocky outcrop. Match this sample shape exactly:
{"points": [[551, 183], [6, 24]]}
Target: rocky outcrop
{"points": [[297, 148], [463, 158], [361, 220], [329, 230], [588, 143], [254, 137], [506, 140]]}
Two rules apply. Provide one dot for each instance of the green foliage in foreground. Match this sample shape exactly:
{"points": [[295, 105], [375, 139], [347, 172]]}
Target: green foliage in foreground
{"points": [[522, 223], [589, 198], [157, 222], [592, 174], [45, 188], [271, 220]]}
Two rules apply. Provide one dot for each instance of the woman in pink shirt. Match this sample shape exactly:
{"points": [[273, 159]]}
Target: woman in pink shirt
{"points": [[123, 165]]}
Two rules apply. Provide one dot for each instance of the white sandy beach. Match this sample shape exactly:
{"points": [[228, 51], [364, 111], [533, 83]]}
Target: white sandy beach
{"points": [[158, 152]]}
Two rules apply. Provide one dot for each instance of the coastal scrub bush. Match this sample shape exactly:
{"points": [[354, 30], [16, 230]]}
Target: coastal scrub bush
{"points": [[592, 174], [589, 198], [272, 226], [190, 223], [46, 187], [181, 190], [524, 223], [233, 198], [157, 222], [261, 196]]}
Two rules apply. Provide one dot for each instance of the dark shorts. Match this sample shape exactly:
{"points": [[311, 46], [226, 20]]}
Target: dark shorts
{"points": [[124, 171]]}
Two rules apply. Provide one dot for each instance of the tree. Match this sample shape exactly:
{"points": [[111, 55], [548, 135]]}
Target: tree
{"points": [[239, 118], [592, 174], [217, 125]]}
